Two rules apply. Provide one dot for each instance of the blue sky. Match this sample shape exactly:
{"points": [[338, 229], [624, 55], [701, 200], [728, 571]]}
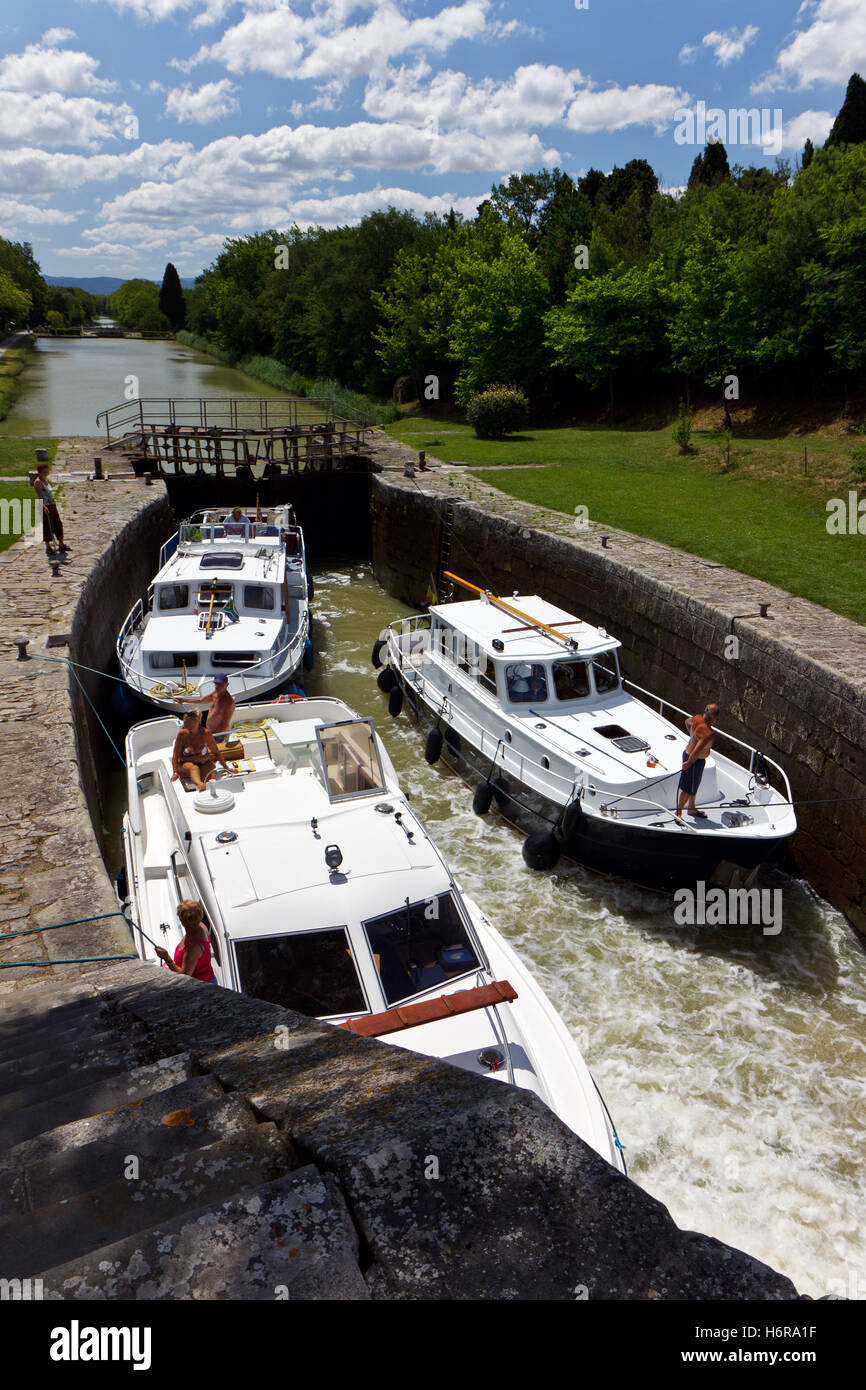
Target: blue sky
{"points": [[140, 131]]}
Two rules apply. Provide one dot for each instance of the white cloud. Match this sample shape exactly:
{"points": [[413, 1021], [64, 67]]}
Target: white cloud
{"points": [[150, 9], [273, 39], [536, 95], [13, 213], [53, 119], [32, 171], [688, 53], [729, 44], [809, 125], [55, 36], [832, 47], [614, 108], [203, 104], [43, 67]]}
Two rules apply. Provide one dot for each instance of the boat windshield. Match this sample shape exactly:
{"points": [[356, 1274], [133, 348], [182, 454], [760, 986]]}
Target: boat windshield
{"points": [[526, 683], [418, 945], [350, 759], [570, 680], [312, 972], [605, 671]]}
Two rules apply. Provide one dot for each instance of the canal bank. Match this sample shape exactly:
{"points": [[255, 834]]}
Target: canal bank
{"points": [[517, 1207], [793, 682]]}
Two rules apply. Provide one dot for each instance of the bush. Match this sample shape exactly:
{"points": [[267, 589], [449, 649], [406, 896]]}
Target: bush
{"points": [[858, 462], [682, 431], [498, 411]]}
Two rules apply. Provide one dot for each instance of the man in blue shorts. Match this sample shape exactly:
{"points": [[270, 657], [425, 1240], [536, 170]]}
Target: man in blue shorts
{"points": [[700, 728]]}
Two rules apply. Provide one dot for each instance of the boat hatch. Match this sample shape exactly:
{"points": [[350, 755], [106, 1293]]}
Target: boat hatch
{"points": [[312, 972], [419, 945], [611, 731], [221, 560], [350, 758]]}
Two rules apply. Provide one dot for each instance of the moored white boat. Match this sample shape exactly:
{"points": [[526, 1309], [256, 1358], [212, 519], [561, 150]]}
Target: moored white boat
{"points": [[324, 893], [231, 596], [528, 703]]}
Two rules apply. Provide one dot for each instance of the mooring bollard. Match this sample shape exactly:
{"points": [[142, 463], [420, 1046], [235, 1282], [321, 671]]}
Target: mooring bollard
{"points": [[408, 470], [604, 541], [41, 455], [21, 644], [763, 607], [148, 480], [422, 460], [97, 470]]}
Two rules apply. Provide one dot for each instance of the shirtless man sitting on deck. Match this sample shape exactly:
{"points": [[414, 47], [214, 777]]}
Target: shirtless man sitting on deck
{"points": [[220, 705], [700, 727]]}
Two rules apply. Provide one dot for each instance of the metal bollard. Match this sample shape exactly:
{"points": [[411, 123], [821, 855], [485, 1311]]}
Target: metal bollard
{"points": [[763, 607], [422, 460], [148, 480], [21, 644], [97, 470], [604, 541]]}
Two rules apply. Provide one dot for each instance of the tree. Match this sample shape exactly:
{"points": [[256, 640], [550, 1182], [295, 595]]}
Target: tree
{"points": [[521, 200], [808, 153], [709, 332], [135, 305], [15, 303], [849, 127], [171, 300], [609, 322], [710, 167]]}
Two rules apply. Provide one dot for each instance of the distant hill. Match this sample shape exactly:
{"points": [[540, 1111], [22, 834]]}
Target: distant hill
{"points": [[103, 284]]}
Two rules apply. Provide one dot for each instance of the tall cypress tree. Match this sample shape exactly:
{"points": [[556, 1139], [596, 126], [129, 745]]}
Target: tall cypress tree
{"points": [[849, 127], [808, 154], [171, 300]]}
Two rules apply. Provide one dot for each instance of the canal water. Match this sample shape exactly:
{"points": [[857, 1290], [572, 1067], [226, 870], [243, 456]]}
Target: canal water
{"points": [[732, 1062], [71, 379]]}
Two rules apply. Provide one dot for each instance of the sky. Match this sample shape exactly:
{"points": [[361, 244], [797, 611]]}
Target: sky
{"points": [[133, 132]]}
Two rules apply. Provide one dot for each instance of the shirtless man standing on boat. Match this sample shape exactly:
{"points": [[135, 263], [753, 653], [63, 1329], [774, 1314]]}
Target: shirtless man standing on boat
{"points": [[195, 754], [220, 705], [700, 727]]}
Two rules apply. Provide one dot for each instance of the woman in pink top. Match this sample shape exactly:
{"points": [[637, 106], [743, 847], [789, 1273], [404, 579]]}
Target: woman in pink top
{"points": [[192, 957]]}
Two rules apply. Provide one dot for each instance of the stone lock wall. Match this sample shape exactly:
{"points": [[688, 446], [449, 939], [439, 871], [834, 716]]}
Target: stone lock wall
{"points": [[796, 691]]}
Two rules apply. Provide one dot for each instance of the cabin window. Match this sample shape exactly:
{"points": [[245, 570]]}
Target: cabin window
{"points": [[605, 672], [216, 595], [419, 945], [221, 560], [232, 660], [526, 683], [570, 680], [311, 972], [173, 596], [259, 596], [487, 676], [172, 661], [350, 759]]}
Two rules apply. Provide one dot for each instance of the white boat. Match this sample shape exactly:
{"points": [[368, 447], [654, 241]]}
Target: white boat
{"points": [[324, 893], [527, 702], [231, 596]]}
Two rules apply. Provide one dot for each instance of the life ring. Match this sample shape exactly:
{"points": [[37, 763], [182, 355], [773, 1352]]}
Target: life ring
{"points": [[284, 699]]}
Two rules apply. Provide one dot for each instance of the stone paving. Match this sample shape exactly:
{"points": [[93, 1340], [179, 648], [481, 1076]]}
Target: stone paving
{"points": [[50, 866]]}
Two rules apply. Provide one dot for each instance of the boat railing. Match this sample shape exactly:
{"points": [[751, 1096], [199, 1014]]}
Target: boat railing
{"points": [[134, 619], [487, 742], [164, 687], [756, 757]]}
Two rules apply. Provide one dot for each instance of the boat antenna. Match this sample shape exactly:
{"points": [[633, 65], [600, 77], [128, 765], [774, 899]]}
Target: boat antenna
{"points": [[568, 642]]}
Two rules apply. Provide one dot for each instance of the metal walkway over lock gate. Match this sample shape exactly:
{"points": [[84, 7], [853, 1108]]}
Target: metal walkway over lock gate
{"points": [[229, 436]]}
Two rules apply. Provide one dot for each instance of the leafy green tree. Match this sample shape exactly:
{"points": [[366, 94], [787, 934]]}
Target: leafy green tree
{"points": [[171, 300], [19, 263], [521, 200], [610, 323], [710, 329], [565, 222], [849, 127], [15, 303], [135, 305], [710, 167], [808, 153]]}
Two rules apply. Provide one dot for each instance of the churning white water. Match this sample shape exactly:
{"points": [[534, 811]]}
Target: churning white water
{"points": [[732, 1062]]}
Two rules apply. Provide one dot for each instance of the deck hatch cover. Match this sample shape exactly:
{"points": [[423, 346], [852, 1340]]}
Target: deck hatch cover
{"points": [[630, 744]]}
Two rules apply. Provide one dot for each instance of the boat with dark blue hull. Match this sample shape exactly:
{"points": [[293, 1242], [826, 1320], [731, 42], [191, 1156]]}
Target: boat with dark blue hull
{"points": [[528, 704]]}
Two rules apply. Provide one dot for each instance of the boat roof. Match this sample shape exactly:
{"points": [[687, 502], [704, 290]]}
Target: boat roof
{"points": [[225, 561], [482, 621]]}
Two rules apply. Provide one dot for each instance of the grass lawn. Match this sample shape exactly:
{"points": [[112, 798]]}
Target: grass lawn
{"points": [[763, 516], [8, 492], [18, 456]]}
